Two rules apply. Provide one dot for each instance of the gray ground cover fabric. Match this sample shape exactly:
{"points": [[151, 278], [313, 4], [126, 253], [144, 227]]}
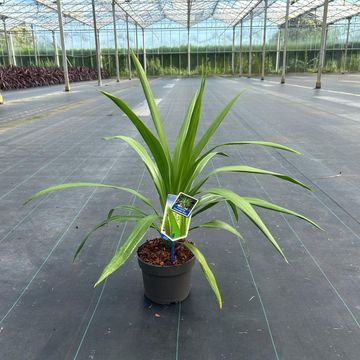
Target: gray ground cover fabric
{"points": [[308, 309]]}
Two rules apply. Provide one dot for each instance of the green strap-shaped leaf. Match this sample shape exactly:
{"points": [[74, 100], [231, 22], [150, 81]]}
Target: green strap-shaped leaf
{"points": [[246, 169], [136, 235], [221, 225], [250, 142], [248, 210], [125, 207], [185, 160], [157, 150], [174, 230], [213, 127], [181, 136], [110, 219], [152, 168], [234, 210], [195, 170], [204, 208], [206, 201], [184, 221], [151, 103], [85, 184], [206, 270], [270, 206]]}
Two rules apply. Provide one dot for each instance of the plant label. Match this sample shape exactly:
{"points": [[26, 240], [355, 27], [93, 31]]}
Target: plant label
{"points": [[175, 225], [184, 204]]}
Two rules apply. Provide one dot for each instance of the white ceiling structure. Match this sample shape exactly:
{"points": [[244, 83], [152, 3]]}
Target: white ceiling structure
{"points": [[144, 13]]}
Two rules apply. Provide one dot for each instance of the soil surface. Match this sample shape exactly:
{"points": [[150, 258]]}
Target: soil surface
{"points": [[157, 252]]}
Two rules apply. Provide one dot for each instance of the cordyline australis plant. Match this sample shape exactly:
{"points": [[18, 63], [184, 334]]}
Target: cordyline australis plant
{"points": [[180, 171]]}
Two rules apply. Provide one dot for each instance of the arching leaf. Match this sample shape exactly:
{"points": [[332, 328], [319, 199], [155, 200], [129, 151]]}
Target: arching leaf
{"points": [[206, 270], [121, 255]]}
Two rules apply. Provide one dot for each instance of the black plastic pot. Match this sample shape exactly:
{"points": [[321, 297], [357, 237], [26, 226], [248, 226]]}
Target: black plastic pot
{"points": [[167, 284]]}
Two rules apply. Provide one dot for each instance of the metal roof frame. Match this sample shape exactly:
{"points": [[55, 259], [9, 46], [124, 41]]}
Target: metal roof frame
{"points": [[145, 13]]}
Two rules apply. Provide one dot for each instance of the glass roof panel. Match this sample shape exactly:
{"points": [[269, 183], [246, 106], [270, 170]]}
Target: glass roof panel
{"points": [[185, 12], [28, 12]]}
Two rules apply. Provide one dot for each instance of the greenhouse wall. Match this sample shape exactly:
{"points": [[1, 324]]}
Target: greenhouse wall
{"points": [[211, 47]]}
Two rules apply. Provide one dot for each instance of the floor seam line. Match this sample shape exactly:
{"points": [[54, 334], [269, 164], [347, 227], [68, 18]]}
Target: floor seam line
{"points": [[53, 249], [178, 333], [306, 249], [253, 279], [49, 163], [42, 200], [291, 172], [103, 288], [311, 256]]}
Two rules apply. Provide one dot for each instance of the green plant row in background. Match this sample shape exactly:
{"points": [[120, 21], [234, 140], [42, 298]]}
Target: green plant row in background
{"points": [[161, 64]]}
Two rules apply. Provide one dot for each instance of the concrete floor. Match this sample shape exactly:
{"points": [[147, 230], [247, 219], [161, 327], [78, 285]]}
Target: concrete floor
{"points": [[309, 309]]}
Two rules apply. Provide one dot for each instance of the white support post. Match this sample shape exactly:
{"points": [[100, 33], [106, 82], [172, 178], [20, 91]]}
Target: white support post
{"points": [[241, 49], [346, 45], [115, 43], [12, 50], [56, 52], [97, 43], [6, 41], [128, 46], [34, 45], [1, 97], [322, 45], [144, 49], [136, 40], [264, 41], [188, 37], [286, 36], [250, 44], [63, 48], [278, 50], [233, 52], [188, 52]]}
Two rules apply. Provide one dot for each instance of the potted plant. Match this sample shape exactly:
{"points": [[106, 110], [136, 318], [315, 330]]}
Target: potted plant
{"points": [[172, 173]]}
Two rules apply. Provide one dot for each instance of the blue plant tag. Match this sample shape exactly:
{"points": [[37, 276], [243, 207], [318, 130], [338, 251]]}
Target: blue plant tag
{"points": [[164, 237], [174, 226], [184, 204]]}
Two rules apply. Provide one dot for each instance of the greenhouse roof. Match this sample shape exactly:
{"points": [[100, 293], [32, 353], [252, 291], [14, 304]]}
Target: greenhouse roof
{"points": [[145, 13]]}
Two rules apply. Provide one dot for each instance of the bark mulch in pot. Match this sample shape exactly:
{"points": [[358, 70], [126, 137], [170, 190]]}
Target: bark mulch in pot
{"points": [[157, 252]]}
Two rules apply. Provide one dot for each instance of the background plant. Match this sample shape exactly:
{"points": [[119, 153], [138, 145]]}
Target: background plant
{"points": [[181, 171], [17, 77]]}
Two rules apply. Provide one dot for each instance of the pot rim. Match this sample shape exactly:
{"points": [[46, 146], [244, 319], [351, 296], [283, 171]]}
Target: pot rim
{"points": [[164, 266]]}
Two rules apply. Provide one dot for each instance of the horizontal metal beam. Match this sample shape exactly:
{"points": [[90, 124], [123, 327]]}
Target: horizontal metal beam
{"points": [[248, 13]]}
